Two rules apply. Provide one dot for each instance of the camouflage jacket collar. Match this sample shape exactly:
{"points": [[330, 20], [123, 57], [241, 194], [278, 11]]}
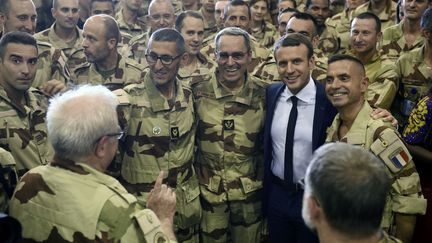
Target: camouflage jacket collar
{"points": [[244, 96], [31, 100], [205, 67], [385, 15], [56, 41], [118, 75], [123, 25], [158, 102]]}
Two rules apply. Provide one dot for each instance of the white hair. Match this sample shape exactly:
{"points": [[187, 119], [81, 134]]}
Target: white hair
{"points": [[78, 118]]}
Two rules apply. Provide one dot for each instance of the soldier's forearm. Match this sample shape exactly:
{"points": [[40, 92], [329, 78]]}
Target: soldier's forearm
{"points": [[168, 228], [405, 225]]}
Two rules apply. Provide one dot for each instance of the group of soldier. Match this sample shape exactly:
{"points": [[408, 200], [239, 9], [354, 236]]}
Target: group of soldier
{"points": [[196, 121]]}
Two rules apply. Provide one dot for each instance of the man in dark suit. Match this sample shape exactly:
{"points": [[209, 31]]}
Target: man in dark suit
{"points": [[304, 98]]}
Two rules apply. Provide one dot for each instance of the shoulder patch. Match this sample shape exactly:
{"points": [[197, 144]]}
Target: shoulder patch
{"points": [[122, 96]]}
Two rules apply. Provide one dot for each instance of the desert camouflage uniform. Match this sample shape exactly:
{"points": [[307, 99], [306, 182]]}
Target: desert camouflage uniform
{"points": [[387, 17], [23, 130], [266, 36], [51, 65], [160, 135], [126, 72], [259, 53], [73, 202], [388, 239], [136, 49], [382, 81], [8, 178], [394, 43], [379, 137], [339, 25], [209, 27], [415, 79], [134, 30], [268, 72], [205, 69], [229, 160]]}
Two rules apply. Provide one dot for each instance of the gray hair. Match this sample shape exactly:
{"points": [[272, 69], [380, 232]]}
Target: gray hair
{"points": [[78, 118], [351, 186], [233, 31], [168, 35]]}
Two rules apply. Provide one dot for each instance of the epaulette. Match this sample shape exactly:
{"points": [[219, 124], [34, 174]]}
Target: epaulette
{"points": [[150, 226], [82, 66], [43, 43], [258, 81], [122, 96], [131, 62]]}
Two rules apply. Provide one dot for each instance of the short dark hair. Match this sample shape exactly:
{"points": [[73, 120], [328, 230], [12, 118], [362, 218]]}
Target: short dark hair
{"points": [[101, 1], [169, 35], [293, 1], [294, 39], [16, 37], [289, 10], [4, 6], [426, 19], [309, 2], [189, 13], [235, 3], [307, 17], [351, 185], [344, 57], [369, 15]]}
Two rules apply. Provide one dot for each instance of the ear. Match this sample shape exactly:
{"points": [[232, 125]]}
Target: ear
{"points": [[364, 83], [425, 33], [184, 59], [102, 147], [53, 12], [312, 63], [315, 41], [315, 210], [249, 56], [112, 43]]}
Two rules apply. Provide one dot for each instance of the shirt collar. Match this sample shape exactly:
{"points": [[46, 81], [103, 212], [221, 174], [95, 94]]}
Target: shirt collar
{"points": [[307, 94]]}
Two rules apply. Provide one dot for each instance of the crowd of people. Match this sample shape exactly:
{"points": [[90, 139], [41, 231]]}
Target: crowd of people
{"points": [[215, 121]]}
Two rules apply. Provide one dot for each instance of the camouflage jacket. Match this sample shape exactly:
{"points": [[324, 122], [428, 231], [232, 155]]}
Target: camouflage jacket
{"points": [[160, 136], [394, 43], [134, 30], [266, 35], [127, 72], [209, 27], [387, 17], [73, 202], [339, 25], [415, 79], [51, 65], [136, 49], [23, 130], [379, 137], [205, 69], [51, 37], [8, 178], [229, 159], [382, 81], [259, 53]]}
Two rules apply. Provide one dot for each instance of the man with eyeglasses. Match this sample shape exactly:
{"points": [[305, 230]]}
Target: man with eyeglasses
{"points": [[160, 15], [159, 121], [64, 34], [71, 198], [230, 108], [104, 64]]}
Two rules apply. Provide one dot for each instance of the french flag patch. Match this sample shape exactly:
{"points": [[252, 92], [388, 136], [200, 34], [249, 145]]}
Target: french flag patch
{"points": [[400, 159]]}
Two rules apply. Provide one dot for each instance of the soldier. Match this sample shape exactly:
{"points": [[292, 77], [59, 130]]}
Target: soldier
{"points": [[159, 123], [230, 109], [320, 10], [191, 26], [364, 35], [340, 213], [23, 108], [261, 29], [129, 17], [219, 13], [283, 19], [346, 88], [339, 25], [52, 72], [406, 35], [237, 14], [71, 199], [64, 34], [193, 5], [160, 15], [208, 12], [414, 73], [384, 9], [104, 64], [284, 4]]}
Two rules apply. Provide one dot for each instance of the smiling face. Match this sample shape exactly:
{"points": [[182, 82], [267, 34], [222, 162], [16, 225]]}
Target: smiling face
{"points": [[258, 11], [238, 16], [232, 58], [346, 84], [18, 67], [320, 10], [364, 36], [21, 17], [414, 9], [294, 66], [193, 33]]}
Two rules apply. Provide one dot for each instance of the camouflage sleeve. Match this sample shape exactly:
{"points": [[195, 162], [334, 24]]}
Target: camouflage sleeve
{"points": [[8, 178], [329, 42], [59, 67], [382, 91], [406, 195], [129, 223]]}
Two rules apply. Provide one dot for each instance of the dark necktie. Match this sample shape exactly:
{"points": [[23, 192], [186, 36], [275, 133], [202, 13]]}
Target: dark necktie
{"points": [[289, 143]]}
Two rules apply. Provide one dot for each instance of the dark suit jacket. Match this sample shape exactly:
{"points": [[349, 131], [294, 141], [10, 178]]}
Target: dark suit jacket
{"points": [[324, 115]]}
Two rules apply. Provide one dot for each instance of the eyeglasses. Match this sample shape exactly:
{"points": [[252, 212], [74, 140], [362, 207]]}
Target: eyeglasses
{"points": [[165, 59], [236, 56]]}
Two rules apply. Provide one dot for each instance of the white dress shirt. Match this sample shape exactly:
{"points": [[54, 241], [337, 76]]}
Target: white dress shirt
{"points": [[302, 151]]}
